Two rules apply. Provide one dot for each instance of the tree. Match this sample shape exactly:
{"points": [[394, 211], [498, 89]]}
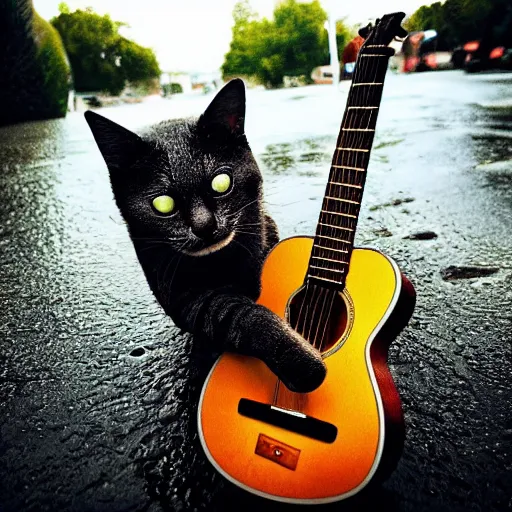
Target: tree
{"points": [[301, 31], [102, 59], [291, 44], [459, 21], [242, 58], [344, 35]]}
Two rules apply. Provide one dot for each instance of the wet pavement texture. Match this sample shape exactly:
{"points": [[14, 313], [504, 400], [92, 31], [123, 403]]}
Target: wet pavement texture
{"points": [[98, 389]]}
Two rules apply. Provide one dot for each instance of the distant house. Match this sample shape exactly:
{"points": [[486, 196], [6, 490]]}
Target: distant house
{"points": [[207, 81]]}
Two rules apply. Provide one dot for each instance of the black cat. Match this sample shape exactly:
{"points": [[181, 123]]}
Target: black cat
{"points": [[191, 194]]}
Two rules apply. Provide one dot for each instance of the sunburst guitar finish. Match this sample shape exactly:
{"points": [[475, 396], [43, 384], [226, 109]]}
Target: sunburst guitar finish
{"points": [[358, 396]]}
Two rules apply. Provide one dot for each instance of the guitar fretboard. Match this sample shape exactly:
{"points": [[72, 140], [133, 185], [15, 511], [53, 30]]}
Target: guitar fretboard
{"points": [[334, 239]]}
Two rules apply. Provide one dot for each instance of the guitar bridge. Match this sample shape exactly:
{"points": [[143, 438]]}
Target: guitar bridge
{"points": [[288, 420]]}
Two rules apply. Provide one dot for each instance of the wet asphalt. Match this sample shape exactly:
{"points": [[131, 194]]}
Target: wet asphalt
{"points": [[98, 389]]}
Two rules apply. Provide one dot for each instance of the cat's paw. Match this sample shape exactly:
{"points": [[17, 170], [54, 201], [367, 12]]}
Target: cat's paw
{"points": [[301, 367], [297, 364]]}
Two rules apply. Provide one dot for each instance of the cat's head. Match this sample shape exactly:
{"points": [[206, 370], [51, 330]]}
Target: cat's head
{"points": [[191, 184]]}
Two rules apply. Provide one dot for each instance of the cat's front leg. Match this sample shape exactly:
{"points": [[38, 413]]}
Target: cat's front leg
{"points": [[235, 323]]}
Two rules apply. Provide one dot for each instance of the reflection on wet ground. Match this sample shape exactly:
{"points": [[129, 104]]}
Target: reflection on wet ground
{"points": [[288, 157], [98, 389]]}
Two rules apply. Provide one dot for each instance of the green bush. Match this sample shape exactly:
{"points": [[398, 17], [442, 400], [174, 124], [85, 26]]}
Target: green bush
{"points": [[54, 65], [35, 74]]}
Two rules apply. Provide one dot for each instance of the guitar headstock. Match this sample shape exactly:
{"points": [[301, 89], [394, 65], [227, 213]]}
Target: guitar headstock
{"points": [[384, 30]]}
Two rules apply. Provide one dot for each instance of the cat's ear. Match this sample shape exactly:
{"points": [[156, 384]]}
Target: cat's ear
{"points": [[226, 112], [120, 147]]}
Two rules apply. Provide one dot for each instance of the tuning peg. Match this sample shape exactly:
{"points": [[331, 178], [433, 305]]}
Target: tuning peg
{"points": [[402, 32], [364, 31]]}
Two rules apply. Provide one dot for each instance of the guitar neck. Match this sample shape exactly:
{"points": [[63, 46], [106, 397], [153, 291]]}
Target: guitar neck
{"points": [[334, 239]]}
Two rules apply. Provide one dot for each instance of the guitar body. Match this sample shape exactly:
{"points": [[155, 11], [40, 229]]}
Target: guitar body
{"points": [[357, 399]]}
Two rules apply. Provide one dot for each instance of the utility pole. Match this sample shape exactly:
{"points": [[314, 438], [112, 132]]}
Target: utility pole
{"points": [[333, 48]]}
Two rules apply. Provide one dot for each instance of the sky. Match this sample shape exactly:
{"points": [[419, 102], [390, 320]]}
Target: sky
{"points": [[194, 35]]}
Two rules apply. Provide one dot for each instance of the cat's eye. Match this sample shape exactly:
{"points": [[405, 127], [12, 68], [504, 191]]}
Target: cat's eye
{"points": [[163, 204], [221, 183]]}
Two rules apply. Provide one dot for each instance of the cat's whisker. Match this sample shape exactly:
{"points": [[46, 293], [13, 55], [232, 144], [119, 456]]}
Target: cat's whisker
{"points": [[157, 244], [242, 245], [246, 232], [174, 273], [180, 254], [154, 245], [243, 208], [249, 224], [247, 227], [167, 238]]}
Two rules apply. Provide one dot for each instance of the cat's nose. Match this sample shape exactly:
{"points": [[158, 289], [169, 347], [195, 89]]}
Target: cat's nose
{"points": [[202, 222]]}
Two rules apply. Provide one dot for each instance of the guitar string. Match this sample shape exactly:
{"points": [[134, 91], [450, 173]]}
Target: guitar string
{"points": [[312, 323], [345, 176], [320, 322], [313, 311], [346, 173], [326, 323], [339, 161], [321, 318], [348, 118], [353, 195]]}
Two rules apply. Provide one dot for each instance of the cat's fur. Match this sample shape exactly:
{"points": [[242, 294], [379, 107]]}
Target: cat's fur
{"points": [[207, 292]]}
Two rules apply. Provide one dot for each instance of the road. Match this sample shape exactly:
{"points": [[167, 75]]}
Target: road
{"points": [[98, 389]]}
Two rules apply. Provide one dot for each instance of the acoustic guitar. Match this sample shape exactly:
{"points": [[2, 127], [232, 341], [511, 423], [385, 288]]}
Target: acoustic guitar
{"points": [[349, 303]]}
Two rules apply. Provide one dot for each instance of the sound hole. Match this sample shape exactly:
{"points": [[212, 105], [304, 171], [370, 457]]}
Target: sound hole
{"points": [[318, 314]]}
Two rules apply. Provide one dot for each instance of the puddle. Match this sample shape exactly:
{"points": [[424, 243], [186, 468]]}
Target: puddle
{"points": [[137, 352], [387, 144], [394, 202], [493, 144], [454, 272], [285, 157], [383, 232], [501, 168], [421, 235], [278, 158]]}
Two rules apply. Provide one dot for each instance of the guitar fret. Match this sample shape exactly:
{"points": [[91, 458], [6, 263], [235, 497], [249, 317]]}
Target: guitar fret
{"points": [[355, 137], [336, 213], [326, 259], [335, 239], [360, 169], [339, 213], [323, 279], [347, 200], [345, 184], [328, 269], [331, 249]]}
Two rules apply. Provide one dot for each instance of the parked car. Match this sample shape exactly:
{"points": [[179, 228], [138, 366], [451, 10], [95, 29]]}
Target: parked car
{"points": [[477, 59], [322, 75]]}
